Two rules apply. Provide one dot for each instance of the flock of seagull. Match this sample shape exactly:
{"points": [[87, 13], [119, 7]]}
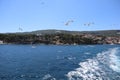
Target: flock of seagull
{"points": [[69, 22], [85, 24]]}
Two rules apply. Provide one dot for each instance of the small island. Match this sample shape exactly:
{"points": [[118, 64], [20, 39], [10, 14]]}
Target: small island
{"points": [[62, 37]]}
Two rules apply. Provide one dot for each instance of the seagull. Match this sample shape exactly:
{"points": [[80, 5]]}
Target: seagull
{"points": [[68, 22], [20, 29], [89, 24]]}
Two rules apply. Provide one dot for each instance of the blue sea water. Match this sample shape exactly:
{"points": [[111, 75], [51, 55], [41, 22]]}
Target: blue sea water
{"points": [[60, 62]]}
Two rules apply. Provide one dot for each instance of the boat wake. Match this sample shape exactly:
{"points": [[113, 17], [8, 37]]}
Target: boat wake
{"points": [[105, 66]]}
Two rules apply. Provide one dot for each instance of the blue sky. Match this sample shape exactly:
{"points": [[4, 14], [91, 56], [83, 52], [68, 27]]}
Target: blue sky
{"points": [[33, 15]]}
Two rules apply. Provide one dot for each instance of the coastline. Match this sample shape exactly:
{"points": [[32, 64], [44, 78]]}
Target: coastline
{"points": [[54, 44], [61, 38]]}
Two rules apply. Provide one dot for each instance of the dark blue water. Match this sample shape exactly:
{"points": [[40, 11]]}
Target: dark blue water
{"points": [[53, 62]]}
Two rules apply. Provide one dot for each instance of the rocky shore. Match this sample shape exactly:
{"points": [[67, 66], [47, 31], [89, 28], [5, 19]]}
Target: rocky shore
{"points": [[58, 39]]}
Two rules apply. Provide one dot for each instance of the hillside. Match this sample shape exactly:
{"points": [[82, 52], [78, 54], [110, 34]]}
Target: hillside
{"points": [[62, 37], [52, 31]]}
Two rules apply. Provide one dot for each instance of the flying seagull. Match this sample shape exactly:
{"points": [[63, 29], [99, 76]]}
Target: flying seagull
{"points": [[68, 22], [20, 29], [89, 24]]}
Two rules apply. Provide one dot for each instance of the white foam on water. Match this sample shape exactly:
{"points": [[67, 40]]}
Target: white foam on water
{"points": [[115, 62], [48, 77], [98, 68], [111, 59], [90, 46], [33, 46], [71, 58], [87, 53]]}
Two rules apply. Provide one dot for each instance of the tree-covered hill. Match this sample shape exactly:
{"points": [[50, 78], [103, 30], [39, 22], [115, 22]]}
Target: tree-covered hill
{"points": [[62, 37]]}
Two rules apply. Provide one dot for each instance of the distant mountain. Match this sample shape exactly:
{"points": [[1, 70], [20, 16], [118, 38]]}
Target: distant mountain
{"points": [[53, 31]]}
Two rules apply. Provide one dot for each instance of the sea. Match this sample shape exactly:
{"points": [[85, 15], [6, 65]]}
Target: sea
{"points": [[59, 62]]}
